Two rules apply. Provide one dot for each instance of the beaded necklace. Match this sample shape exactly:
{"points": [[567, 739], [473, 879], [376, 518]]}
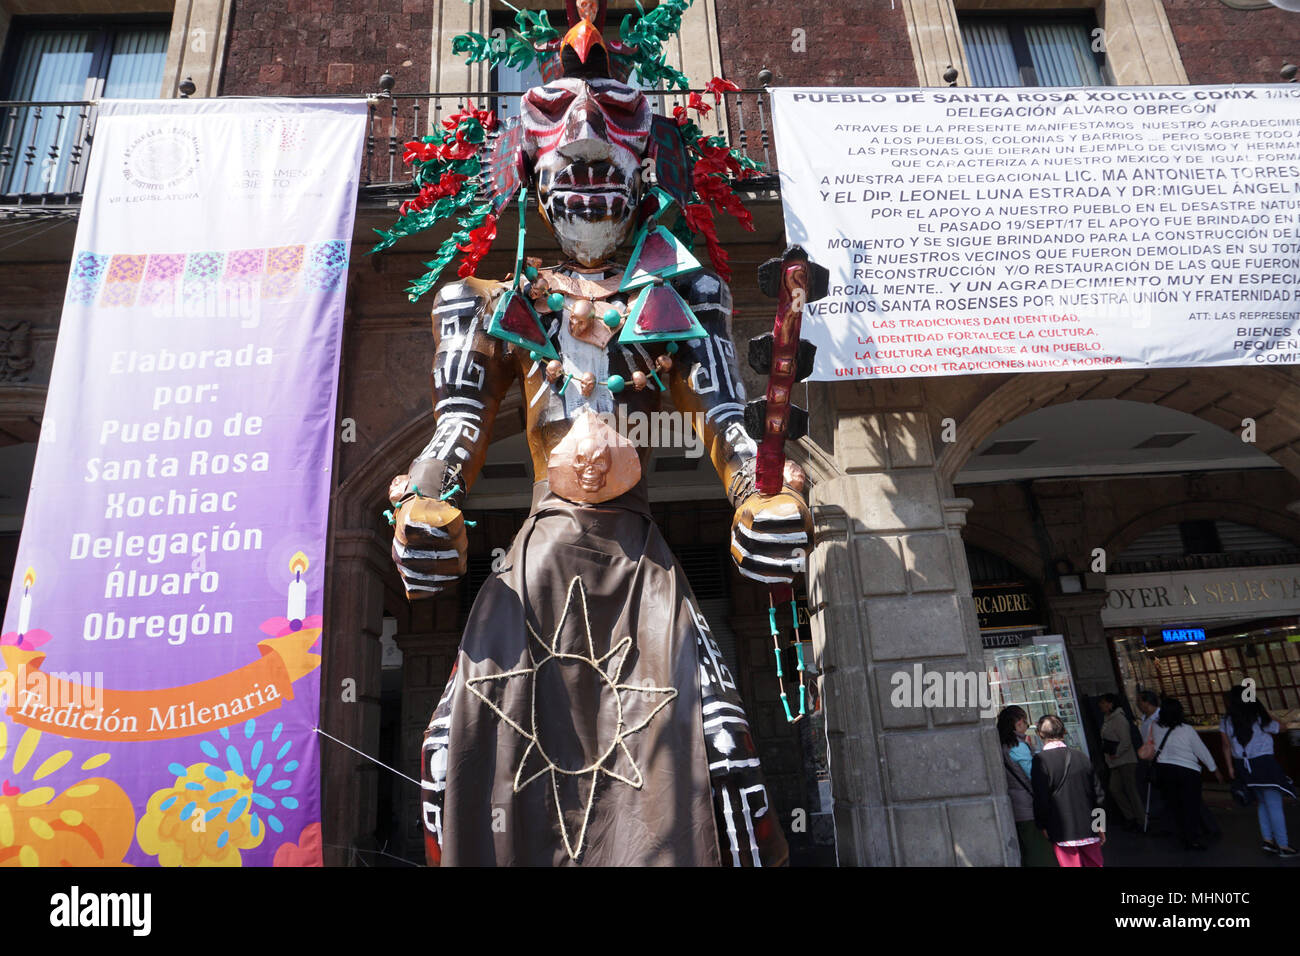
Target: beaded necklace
{"points": [[577, 297]]}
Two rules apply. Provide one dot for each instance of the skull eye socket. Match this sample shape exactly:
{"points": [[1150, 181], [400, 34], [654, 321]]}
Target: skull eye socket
{"points": [[549, 102], [621, 103], [620, 100]]}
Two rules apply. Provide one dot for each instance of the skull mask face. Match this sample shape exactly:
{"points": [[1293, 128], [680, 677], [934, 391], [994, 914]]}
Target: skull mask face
{"points": [[591, 462], [585, 140]]}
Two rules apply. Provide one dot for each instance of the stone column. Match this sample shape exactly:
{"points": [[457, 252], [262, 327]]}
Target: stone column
{"points": [[448, 72], [913, 785], [354, 621], [197, 46], [1078, 618]]}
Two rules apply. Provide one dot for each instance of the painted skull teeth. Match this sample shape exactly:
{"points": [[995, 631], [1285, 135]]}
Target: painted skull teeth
{"points": [[592, 207], [589, 193]]}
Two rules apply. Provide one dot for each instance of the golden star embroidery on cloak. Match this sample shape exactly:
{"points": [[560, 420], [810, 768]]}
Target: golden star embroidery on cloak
{"points": [[608, 668]]}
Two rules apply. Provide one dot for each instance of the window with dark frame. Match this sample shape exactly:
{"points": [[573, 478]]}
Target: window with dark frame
{"points": [[1034, 50], [52, 60]]}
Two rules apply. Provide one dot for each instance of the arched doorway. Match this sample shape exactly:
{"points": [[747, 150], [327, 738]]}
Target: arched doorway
{"points": [[1159, 515], [370, 616]]}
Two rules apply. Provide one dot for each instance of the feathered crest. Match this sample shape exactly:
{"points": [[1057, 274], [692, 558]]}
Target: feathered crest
{"points": [[473, 166]]}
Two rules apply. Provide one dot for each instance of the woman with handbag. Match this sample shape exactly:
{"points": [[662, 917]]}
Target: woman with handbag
{"points": [[1017, 761], [1247, 736], [1179, 756]]}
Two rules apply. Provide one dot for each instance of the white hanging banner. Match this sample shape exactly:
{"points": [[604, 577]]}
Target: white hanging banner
{"points": [[1035, 230]]}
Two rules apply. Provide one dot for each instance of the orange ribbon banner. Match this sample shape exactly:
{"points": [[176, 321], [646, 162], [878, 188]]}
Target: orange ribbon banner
{"points": [[50, 702]]}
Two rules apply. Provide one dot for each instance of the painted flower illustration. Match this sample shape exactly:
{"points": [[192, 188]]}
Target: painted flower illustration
{"points": [[282, 626], [213, 811], [306, 852], [89, 823], [27, 641]]}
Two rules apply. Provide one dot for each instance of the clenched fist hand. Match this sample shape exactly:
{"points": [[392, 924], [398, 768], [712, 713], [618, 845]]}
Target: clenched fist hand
{"points": [[771, 536], [429, 544]]}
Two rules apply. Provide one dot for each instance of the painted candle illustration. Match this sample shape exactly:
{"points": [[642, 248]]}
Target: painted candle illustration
{"points": [[25, 637]]}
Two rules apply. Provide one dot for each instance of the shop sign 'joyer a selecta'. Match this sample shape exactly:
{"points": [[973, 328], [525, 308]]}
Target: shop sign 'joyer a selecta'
{"points": [[1019, 230]]}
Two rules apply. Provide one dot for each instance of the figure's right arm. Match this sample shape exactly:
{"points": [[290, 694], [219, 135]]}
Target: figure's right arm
{"points": [[471, 373]]}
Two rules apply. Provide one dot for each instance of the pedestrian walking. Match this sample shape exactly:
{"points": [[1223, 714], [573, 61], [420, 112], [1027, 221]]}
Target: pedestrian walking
{"points": [[1247, 736], [1067, 794], [1180, 754]]}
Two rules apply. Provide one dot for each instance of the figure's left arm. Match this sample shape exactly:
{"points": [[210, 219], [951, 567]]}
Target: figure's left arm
{"points": [[770, 535]]}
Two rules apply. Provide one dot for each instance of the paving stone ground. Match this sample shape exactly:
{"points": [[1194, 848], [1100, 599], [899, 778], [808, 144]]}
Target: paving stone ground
{"points": [[1238, 846]]}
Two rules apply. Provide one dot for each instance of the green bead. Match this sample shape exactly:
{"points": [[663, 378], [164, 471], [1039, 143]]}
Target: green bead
{"points": [[535, 356], [556, 301], [616, 383], [671, 348], [530, 272], [612, 318]]}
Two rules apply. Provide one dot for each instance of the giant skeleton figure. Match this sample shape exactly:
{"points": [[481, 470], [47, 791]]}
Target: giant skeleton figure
{"points": [[590, 717]]}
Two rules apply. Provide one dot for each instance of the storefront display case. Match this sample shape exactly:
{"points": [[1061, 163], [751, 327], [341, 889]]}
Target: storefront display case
{"points": [[1199, 672], [1036, 677]]}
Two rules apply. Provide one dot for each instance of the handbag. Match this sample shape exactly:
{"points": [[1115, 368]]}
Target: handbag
{"points": [[1148, 751]]}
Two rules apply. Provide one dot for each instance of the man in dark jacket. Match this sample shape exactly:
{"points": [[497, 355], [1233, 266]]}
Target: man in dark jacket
{"points": [[1067, 798]]}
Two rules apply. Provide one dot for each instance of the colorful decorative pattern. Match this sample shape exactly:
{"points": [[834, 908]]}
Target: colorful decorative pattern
{"points": [[87, 272], [245, 263], [203, 267], [160, 277], [212, 811], [89, 823], [328, 261], [282, 267], [123, 282]]}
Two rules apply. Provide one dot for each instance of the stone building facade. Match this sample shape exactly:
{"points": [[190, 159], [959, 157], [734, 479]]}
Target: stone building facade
{"points": [[897, 507]]}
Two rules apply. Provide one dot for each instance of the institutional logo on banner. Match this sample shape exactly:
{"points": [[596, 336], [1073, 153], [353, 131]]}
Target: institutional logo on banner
{"points": [[162, 644]]}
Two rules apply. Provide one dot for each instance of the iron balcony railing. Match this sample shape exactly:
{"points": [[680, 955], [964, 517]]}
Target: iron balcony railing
{"points": [[43, 151], [45, 146], [397, 118]]}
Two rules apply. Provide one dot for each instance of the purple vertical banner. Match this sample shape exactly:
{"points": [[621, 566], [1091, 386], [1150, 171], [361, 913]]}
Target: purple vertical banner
{"points": [[161, 648]]}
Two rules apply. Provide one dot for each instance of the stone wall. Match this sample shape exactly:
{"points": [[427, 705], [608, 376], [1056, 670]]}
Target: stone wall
{"points": [[1221, 45], [327, 46], [861, 44]]}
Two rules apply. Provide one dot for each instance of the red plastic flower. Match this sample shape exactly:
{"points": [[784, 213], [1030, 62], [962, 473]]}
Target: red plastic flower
{"points": [[480, 242], [448, 185], [700, 219], [418, 152], [717, 86]]}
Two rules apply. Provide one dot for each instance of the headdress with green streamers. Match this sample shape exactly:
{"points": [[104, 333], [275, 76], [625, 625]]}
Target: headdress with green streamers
{"points": [[473, 166]]}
